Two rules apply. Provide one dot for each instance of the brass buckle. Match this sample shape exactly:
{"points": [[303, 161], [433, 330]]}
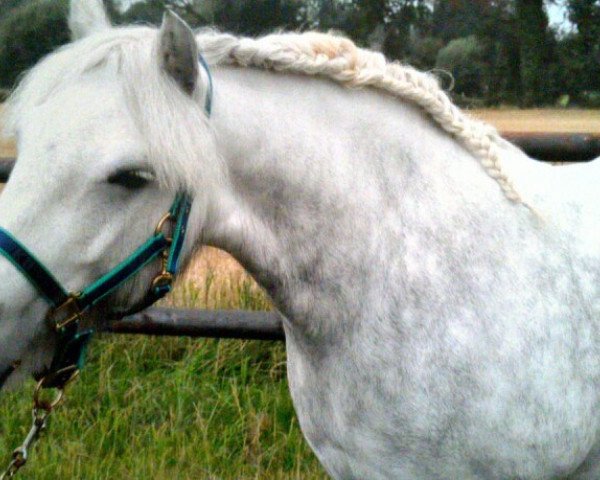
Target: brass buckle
{"points": [[66, 313]]}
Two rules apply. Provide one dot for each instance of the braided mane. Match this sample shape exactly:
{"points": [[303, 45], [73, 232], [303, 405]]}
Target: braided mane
{"points": [[340, 59], [310, 53]]}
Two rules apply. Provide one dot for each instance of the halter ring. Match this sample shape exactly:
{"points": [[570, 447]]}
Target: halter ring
{"points": [[161, 224]]}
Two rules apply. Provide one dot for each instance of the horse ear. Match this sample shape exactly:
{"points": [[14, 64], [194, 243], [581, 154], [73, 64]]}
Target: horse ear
{"points": [[178, 52], [87, 17]]}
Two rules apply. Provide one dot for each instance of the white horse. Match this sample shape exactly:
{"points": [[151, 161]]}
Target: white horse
{"points": [[441, 291]]}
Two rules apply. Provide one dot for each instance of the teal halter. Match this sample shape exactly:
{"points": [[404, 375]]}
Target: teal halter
{"points": [[67, 309]]}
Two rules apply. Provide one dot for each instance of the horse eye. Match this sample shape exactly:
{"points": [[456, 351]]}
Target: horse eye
{"points": [[131, 179]]}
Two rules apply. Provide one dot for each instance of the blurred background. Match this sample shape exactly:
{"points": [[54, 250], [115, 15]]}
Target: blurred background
{"points": [[525, 53]]}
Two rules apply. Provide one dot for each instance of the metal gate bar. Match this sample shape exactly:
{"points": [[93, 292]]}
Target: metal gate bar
{"points": [[177, 322], [553, 147]]}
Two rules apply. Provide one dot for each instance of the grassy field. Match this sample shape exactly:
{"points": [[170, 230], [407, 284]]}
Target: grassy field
{"points": [[173, 408], [194, 409]]}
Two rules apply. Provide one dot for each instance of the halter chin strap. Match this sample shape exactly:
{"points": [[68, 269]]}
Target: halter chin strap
{"points": [[67, 309]]}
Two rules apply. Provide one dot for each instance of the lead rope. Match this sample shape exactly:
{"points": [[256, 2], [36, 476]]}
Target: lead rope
{"points": [[42, 409]]}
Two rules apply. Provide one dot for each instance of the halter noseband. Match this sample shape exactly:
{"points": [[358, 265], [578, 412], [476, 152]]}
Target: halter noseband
{"points": [[67, 309]]}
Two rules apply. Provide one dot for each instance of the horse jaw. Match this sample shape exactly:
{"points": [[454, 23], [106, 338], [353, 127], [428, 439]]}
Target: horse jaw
{"points": [[25, 340]]}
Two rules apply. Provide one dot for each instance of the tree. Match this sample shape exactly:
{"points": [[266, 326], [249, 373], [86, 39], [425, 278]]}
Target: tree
{"points": [[498, 35], [458, 18], [493, 24], [8, 6], [585, 14], [463, 58], [406, 23], [532, 25], [424, 52], [251, 17], [149, 11], [112, 9], [264, 16], [502, 50], [32, 30], [585, 46]]}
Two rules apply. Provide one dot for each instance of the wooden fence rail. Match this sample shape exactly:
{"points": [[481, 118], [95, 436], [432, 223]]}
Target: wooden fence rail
{"points": [[175, 322]]}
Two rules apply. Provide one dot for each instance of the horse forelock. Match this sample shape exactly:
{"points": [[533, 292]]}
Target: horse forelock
{"points": [[176, 132]]}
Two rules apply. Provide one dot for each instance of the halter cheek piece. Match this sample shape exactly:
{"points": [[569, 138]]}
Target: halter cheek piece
{"points": [[67, 309]]}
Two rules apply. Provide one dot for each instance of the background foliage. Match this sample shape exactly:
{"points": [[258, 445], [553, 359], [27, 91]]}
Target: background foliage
{"points": [[499, 51]]}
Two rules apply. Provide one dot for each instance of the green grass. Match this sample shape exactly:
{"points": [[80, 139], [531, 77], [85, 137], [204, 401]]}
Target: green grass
{"points": [[172, 408]]}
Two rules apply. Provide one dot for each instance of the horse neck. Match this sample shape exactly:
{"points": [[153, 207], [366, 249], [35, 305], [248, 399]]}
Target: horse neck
{"points": [[325, 185]]}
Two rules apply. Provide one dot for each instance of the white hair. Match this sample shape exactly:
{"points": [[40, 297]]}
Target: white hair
{"points": [[339, 59], [175, 128], [308, 53]]}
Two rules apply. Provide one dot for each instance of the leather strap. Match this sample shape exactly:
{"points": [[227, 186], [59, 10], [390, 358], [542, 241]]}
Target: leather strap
{"points": [[105, 285], [44, 282]]}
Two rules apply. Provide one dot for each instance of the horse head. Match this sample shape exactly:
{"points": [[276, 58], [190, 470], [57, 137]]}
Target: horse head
{"points": [[103, 151]]}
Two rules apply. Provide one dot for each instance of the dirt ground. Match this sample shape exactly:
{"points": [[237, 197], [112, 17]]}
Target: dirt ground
{"points": [[215, 262], [542, 120]]}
